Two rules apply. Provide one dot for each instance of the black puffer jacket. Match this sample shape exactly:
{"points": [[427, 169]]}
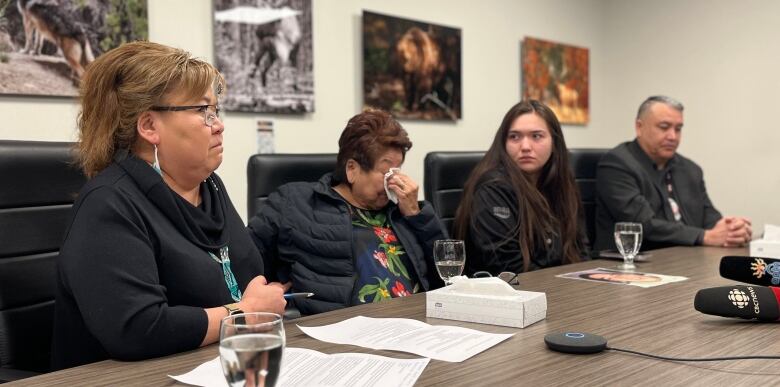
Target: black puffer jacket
{"points": [[304, 232]]}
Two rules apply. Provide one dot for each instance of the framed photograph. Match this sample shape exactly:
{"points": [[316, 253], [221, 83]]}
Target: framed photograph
{"points": [[264, 50], [557, 74], [45, 45], [411, 68]]}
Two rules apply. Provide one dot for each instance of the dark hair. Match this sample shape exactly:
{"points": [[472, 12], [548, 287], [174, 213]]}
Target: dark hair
{"points": [[365, 137], [550, 207], [650, 101]]}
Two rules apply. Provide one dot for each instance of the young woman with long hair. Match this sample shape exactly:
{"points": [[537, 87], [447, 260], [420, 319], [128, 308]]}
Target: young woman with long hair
{"points": [[521, 208]]}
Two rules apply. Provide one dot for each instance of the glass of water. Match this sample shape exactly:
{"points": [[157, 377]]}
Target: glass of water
{"points": [[250, 348], [628, 238], [450, 256]]}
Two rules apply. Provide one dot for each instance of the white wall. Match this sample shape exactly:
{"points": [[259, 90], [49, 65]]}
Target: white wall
{"points": [[717, 57], [720, 59], [491, 82]]}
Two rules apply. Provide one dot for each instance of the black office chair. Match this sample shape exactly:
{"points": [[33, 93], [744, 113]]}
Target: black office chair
{"points": [[584, 163], [266, 172], [445, 174], [40, 184]]}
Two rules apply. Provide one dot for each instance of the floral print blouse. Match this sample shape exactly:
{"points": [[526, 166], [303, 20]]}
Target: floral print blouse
{"points": [[384, 271]]}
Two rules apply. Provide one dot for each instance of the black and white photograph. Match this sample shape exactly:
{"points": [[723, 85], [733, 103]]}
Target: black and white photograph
{"points": [[264, 50], [45, 45]]}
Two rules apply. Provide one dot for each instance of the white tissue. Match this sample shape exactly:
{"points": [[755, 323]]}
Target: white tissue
{"points": [[771, 232], [489, 286], [390, 194]]}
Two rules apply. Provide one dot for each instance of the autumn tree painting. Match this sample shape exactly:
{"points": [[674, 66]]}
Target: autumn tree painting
{"points": [[557, 74]]}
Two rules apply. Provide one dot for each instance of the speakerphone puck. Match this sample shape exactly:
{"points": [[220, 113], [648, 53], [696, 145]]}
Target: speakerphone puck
{"points": [[575, 342]]}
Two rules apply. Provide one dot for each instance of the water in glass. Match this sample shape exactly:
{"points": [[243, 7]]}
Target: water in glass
{"points": [[250, 348], [628, 238], [450, 257], [449, 269], [251, 359]]}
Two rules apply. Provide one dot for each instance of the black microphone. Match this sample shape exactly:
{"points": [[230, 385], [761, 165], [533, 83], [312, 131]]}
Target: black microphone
{"points": [[752, 270], [750, 302]]}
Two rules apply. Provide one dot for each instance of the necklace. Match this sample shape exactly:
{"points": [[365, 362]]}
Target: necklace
{"points": [[230, 279]]}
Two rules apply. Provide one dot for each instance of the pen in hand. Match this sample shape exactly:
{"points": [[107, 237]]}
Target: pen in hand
{"points": [[288, 296]]}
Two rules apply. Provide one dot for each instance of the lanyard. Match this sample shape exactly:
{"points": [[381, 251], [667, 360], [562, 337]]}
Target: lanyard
{"points": [[230, 279]]}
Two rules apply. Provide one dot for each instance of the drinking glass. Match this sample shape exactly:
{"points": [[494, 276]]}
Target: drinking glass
{"points": [[250, 348], [628, 238], [450, 256]]}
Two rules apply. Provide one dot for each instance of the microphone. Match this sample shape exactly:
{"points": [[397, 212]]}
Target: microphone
{"points": [[749, 302], [752, 270]]}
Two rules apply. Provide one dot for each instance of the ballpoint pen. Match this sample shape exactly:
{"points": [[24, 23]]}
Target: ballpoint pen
{"points": [[288, 296]]}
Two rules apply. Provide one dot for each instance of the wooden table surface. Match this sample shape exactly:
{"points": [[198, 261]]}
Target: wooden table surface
{"points": [[659, 320]]}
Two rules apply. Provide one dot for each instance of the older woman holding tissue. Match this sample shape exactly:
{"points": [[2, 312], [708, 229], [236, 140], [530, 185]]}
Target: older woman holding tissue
{"points": [[359, 234]]}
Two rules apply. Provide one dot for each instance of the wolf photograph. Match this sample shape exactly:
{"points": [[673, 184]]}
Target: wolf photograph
{"points": [[45, 45], [264, 50], [411, 68]]}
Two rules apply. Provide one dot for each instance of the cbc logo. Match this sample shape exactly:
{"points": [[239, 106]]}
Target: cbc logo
{"points": [[739, 298]]}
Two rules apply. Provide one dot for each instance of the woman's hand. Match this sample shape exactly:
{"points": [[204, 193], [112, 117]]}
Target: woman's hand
{"points": [[406, 190], [285, 286], [260, 296]]}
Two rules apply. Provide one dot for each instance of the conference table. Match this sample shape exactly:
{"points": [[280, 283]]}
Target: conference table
{"points": [[659, 320]]}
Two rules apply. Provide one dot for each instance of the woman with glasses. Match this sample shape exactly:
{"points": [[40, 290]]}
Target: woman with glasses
{"points": [[155, 254], [342, 238], [520, 209]]}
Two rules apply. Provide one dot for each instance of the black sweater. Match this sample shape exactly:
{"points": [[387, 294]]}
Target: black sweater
{"points": [[132, 282]]}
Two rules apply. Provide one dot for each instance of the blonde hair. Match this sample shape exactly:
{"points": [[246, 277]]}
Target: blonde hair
{"points": [[125, 82]]}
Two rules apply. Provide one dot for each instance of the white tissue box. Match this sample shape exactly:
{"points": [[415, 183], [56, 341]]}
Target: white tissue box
{"points": [[519, 310], [764, 248]]}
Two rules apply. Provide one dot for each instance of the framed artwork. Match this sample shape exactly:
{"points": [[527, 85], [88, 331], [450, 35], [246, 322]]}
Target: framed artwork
{"points": [[264, 50], [45, 45], [557, 74], [411, 68]]}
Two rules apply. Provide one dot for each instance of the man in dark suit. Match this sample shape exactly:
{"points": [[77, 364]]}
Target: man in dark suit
{"points": [[646, 181]]}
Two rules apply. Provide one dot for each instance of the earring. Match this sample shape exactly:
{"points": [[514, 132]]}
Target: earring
{"points": [[156, 164]]}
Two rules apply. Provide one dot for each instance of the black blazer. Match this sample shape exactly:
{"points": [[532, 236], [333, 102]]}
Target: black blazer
{"points": [[629, 188]]}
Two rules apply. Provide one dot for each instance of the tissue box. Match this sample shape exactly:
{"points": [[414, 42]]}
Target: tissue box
{"points": [[764, 248], [519, 310]]}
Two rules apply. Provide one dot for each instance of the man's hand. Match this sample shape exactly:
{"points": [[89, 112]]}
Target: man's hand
{"points": [[730, 231]]}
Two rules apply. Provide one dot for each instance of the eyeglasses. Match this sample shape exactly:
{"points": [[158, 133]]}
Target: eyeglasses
{"points": [[506, 276], [209, 115]]}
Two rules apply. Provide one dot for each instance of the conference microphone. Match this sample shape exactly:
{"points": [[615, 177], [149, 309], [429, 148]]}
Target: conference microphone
{"points": [[750, 302], [752, 270]]}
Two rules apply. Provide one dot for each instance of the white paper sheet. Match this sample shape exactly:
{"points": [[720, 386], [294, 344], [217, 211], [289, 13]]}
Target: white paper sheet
{"points": [[306, 367], [440, 342]]}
